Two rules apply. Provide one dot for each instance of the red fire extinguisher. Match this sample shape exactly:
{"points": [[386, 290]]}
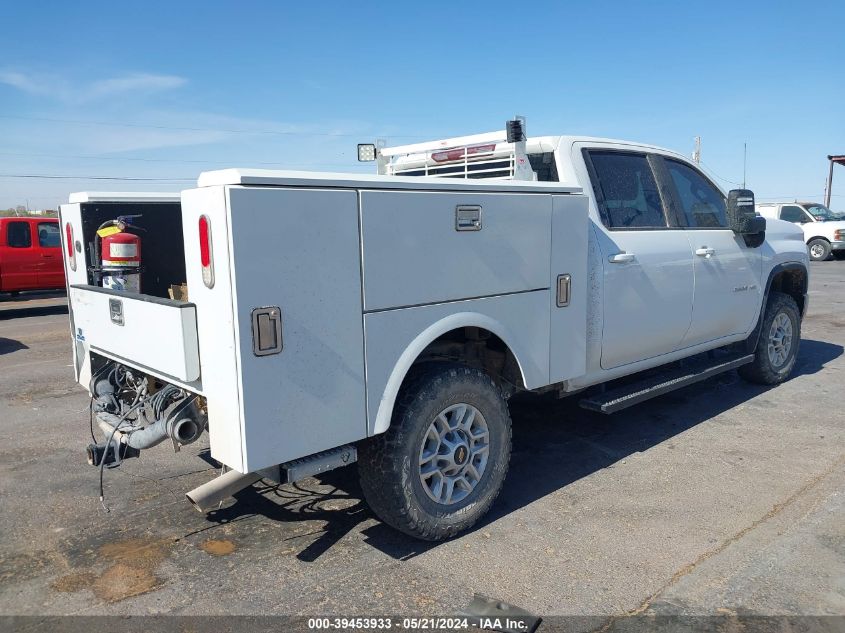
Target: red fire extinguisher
{"points": [[121, 255]]}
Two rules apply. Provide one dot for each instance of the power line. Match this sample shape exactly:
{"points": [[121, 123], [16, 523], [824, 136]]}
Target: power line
{"points": [[795, 197], [199, 129], [57, 177], [168, 160], [719, 177]]}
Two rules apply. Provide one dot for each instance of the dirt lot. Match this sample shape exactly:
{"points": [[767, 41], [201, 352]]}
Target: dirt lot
{"points": [[721, 498]]}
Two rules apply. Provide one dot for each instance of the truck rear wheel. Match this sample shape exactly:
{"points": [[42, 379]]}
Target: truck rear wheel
{"points": [[777, 346], [441, 464]]}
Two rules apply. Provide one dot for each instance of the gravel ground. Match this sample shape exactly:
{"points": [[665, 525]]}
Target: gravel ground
{"points": [[721, 498]]}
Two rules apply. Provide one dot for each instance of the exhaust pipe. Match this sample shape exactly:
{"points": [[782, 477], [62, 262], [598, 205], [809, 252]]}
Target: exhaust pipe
{"points": [[184, 424], [206, 497]]}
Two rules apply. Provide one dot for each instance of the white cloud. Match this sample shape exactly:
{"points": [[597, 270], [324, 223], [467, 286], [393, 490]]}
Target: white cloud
{"points": [[135, 83], [78, 92], [24, 83]]}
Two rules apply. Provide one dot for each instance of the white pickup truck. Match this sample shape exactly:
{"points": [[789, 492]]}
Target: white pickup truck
{"points": [[824, 230], [387, 319]]}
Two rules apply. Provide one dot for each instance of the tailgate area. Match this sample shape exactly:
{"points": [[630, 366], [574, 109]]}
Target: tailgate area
{"points": [[154, 334]]}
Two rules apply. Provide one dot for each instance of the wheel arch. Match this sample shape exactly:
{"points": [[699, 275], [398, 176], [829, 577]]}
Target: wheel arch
{"points": [[792, 278], [467, 328]]}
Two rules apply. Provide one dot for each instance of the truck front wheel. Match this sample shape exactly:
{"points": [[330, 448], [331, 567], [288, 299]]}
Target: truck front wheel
{"points": [[819, 249], [441, 464], [777, 346]]}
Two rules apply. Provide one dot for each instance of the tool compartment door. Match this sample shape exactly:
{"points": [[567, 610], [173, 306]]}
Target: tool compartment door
{"points": [[430, 247], [158, 335], [297, 249]]}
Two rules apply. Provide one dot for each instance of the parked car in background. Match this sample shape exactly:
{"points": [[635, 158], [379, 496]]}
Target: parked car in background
{"points": [[30, 254], [824, 230]]}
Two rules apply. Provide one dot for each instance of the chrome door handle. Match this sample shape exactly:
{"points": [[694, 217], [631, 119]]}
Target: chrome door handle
{"points": [[621, 258], [705, 251]]}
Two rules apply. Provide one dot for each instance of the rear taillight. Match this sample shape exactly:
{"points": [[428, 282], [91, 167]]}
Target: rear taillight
{"points": [[71, 256], [839, 235], [206, 255]]}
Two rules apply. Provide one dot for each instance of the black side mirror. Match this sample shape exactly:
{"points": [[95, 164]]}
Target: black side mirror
{"points": [[740, 210], [742, 219]]}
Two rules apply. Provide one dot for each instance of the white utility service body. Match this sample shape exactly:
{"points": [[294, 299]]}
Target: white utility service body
{"points": [[366, 272], [316, 300]]}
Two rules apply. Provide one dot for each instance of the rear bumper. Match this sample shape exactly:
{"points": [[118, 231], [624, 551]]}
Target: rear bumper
{"points": [[837, 246]]}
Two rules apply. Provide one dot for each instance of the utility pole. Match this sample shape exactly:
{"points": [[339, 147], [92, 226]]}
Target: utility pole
{"points": [[834, 160], [744, 156], [696, 154]]}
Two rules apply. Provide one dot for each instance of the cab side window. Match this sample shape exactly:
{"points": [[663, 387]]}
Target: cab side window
{"points": [[702, 203], [626, 190], [18, 235], [48, 235], [793, 213]]}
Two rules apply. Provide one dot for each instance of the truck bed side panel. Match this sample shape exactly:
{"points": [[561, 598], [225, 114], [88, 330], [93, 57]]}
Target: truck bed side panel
{"points": [[413, 254], [298, 249], [396, 337]]}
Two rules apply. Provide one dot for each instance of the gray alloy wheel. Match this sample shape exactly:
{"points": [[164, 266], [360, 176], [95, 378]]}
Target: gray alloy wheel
{"points": [[780, 340], [440, 466], [454, 452]]}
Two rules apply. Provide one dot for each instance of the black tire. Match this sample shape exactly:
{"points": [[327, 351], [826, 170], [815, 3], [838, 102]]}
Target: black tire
{"points": [[763, 370], [819, 249], [389, 464]]}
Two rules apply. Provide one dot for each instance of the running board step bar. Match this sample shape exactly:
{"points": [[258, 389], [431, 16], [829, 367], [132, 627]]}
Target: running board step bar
{"points": [[692, 372], [315, 464]]}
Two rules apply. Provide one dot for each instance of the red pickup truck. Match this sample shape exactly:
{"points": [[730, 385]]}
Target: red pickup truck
{"points": [[30, 254]]}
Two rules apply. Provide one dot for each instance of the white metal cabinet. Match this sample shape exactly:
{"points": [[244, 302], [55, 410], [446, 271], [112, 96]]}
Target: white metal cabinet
{"points": [[298, 249], [215, 322], [117, 324], [570, 239], [414, 254]]}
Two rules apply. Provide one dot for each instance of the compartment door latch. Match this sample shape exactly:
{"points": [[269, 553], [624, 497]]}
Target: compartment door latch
{"points": [[116, 311], [564, 290], [266, 331], [468, 217]]}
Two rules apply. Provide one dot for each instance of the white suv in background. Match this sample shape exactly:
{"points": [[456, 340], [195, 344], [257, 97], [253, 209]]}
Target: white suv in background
{"points": [[824, 230]]}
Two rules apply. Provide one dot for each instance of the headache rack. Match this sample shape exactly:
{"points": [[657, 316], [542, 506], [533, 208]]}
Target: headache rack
{"points": [[478, 156]]}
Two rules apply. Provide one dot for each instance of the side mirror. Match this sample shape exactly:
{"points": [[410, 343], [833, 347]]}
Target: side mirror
{"points": [[742, 219], [756, 225], [741, 210]]}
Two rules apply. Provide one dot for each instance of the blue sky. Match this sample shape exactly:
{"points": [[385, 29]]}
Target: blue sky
{"points": [[169, 89]]}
